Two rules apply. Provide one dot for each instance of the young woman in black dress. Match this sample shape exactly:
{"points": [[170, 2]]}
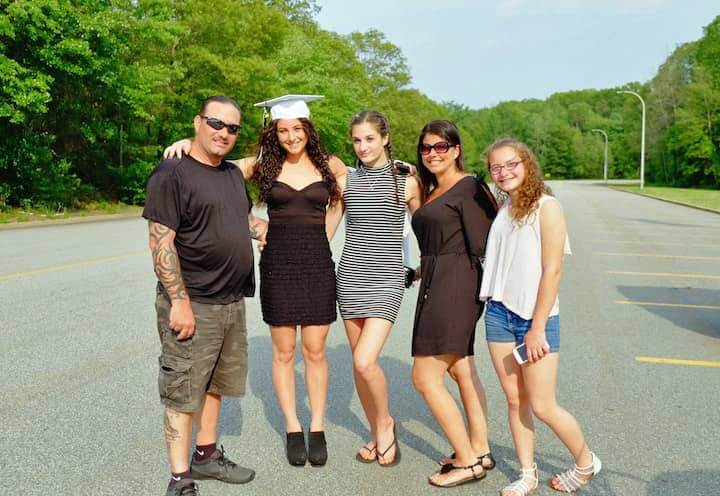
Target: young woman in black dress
{"points": [[298, 181], [451, 227]]}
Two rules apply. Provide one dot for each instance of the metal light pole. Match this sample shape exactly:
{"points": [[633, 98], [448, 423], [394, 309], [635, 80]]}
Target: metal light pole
{"points": [[642, 142], [605, 168]]}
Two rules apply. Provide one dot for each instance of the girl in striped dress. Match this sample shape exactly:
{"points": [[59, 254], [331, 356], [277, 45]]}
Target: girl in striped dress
{"points": [[370, 275]]}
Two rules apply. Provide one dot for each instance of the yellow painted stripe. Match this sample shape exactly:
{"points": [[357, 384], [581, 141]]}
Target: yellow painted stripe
{"points": [[663, 274], [671, 305], [58, 268], [713, 245], [675, 361], [654, 255]]}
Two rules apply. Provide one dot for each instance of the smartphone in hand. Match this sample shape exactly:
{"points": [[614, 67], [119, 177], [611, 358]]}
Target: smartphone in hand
{"points": [[520, 354], [409, 276]]}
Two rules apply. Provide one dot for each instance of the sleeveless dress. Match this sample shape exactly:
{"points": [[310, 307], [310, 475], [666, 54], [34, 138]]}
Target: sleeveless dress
{"points": [[452, 231], [297, 273], [370, 276]]}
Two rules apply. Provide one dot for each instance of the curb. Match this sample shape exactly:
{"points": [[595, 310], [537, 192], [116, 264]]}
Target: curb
{"points": [[67, 221], [674, 202]]}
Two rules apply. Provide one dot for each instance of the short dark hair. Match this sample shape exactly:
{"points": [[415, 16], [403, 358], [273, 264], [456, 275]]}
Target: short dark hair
{"points": [[226, 100]]}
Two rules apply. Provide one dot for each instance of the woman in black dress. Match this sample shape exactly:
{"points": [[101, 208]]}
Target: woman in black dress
{"points": [[451, 227], [298, 181]]}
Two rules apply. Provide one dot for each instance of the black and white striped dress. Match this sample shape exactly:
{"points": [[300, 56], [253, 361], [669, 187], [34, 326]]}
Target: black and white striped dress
{"points": [[370, 277]]}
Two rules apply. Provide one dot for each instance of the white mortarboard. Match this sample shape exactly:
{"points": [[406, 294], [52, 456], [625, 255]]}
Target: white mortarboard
{"points": [[289, 106]]}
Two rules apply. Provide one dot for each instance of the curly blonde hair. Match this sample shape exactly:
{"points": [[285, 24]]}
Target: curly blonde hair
{"points": [[532, 187]]}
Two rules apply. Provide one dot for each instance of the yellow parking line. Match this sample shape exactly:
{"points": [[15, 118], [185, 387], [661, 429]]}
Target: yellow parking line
{"points": [[713, 245], [674, 361], [654, 255], [671, 305], [662, 274], [58, 268]]}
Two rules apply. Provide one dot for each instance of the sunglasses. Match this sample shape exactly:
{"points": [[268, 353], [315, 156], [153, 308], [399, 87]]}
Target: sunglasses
{"points": [[217, 124], [439, 147], [508, 166]]}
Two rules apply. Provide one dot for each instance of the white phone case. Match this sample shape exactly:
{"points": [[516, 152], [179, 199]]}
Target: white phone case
{"points": [[518, 357]]}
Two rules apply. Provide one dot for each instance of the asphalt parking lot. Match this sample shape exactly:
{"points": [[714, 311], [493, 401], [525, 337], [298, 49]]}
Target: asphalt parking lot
{"points": [[640, 367]]}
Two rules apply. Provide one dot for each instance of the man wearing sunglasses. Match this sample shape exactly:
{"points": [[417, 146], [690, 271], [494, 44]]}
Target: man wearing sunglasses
{"points": [[200, 226]]}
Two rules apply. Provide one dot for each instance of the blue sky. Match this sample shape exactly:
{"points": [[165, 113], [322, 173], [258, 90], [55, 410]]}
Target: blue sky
{"points": [[479, 53]]}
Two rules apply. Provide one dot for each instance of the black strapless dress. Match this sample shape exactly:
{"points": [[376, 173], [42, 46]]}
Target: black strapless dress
{"points": [[297, 273]]}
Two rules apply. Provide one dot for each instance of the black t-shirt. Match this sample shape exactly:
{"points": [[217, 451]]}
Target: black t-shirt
{"points": [[208, 209]]}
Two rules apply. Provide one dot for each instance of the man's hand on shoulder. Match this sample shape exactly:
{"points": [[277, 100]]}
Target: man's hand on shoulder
{"points": [[178, 149]]}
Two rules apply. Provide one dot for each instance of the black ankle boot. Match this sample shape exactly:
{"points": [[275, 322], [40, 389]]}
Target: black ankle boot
{"points": [[296, 453], [317, 448]]}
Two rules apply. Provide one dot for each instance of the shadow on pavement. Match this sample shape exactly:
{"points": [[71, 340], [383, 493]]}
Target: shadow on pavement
{"points": [[700, 320], [406, 405], [685, 483], [231, 418]]}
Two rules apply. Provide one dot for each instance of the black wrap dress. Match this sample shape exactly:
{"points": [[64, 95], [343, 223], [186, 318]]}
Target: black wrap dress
{"points": [[451, 230]]}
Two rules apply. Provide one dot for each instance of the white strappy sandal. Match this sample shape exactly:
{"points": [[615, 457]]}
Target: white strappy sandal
{"points": [[527, 482], [572, 480]]}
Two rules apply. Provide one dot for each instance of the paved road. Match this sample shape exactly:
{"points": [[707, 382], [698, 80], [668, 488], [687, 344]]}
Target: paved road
{"points": [[79, 413]]}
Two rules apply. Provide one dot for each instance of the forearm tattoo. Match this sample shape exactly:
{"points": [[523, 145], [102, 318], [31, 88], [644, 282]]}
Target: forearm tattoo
{"points": [[166, 261], [254, 231], [171, 433]]}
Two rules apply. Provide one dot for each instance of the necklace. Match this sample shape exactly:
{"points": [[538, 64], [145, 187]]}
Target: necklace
{"points": [[366, 173]]}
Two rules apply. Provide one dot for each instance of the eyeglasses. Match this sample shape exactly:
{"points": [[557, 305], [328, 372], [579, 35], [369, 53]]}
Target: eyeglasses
{"points": [[217, 124], [508, 166], [439, 147]]}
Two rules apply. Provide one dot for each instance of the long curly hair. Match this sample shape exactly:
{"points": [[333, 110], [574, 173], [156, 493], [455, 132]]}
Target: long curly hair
{"points": [[532, 187], [447, 131], [272, 155], [381, 125]]}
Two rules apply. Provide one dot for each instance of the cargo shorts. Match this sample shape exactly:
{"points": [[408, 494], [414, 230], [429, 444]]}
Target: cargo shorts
{"points": [[213, 360]]}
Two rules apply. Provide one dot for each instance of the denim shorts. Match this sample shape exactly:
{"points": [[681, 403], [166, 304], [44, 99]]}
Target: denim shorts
{"points": [[504, 326]]}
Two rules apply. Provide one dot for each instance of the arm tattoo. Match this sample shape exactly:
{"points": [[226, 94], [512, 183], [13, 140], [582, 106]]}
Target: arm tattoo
{"points": [[254, 231], [171, 433], [166, 262], [256, 226]]}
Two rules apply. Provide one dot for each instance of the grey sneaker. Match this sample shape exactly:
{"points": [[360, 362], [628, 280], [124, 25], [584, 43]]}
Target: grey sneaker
{"points": [[220, 468], [183, 487]]}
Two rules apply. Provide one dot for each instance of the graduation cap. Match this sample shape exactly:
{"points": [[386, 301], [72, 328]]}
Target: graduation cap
{"points": [[288, 107]]}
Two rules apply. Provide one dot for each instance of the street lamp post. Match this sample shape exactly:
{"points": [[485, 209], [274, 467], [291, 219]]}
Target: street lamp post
{"points": [[605, 165], [642, 140]]}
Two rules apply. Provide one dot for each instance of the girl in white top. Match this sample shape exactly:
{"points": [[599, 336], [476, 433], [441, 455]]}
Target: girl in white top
{"points": [[523, 266]]}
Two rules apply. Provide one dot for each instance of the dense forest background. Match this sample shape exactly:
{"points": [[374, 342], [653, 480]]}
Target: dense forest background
{"points": [[92, 90]]}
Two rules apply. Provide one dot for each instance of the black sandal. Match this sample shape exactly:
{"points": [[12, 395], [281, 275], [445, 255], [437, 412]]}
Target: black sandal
{"points": [[317, 448], [296, 452], [490, 458], [481, 458], [362, 459], [450, 467], [396, 460]]}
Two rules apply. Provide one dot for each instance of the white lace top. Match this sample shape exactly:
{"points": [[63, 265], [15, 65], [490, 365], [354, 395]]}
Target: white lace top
{"points": [[513, 261]]}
